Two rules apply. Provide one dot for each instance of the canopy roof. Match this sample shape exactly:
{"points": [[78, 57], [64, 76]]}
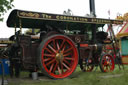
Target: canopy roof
{"points": [[124, 31], [29, 19]]}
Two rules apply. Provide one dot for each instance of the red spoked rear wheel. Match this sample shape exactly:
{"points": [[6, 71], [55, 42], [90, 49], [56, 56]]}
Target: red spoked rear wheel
{"points": [[58, 56], [107, 63]]}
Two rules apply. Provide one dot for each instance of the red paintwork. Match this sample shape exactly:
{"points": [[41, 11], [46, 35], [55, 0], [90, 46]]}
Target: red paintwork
{"points": [[83, 45], [108, 63], [68, 62]]}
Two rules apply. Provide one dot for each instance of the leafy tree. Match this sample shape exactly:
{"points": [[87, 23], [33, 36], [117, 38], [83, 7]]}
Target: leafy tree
{"points": [[122, 17], [119, 18], [5, 5], [125, 17]]}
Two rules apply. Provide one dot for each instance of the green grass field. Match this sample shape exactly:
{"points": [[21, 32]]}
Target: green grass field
{"points": [[117, 77]]}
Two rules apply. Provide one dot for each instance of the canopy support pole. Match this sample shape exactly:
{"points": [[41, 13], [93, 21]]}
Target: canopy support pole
{"points": [[15, 28], [20, 26]]}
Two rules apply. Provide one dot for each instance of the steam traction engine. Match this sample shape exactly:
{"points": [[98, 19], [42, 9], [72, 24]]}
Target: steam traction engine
{"points": [[64, 42]]}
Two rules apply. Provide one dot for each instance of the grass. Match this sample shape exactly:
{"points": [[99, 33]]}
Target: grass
{"points": [[117, 77]]}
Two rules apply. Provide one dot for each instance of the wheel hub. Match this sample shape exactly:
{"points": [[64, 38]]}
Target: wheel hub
{"points": [[59, 57]]}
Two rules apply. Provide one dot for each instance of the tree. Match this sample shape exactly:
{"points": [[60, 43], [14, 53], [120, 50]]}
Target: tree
{"points": [[119, 16], [124, 17], [5, 5]]}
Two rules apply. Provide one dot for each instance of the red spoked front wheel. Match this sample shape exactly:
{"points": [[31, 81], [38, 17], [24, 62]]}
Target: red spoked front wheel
{"points": [[107, 63], [58, 56]]}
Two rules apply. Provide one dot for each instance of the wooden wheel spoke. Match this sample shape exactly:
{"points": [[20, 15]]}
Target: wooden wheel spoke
{"points": [[110, 64], [104, 62], [52, 48], [66, 66], [54, 44], [59, 70], [49, 51], [67, 54], [109, 59], [50, 62], [47, 59], [49, 55], [109, 67], [51, 67], [62, 44], [58, 47], [62, 69], [67, 58], [68, 50], [66, 62], [106, 68], [55, 67], [104, 59], [63, 48], [103, 66]]}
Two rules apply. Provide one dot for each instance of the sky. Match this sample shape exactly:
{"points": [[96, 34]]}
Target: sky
{"points": [[78, 7]]}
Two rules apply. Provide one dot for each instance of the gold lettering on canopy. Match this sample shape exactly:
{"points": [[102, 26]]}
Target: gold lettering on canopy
{"points": [[46, 16], [71, 18], [100, 21], [68, 18], [36, 15]]}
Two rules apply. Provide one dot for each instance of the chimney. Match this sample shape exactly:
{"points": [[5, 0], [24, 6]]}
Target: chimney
{"points": [[92, 8]]}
